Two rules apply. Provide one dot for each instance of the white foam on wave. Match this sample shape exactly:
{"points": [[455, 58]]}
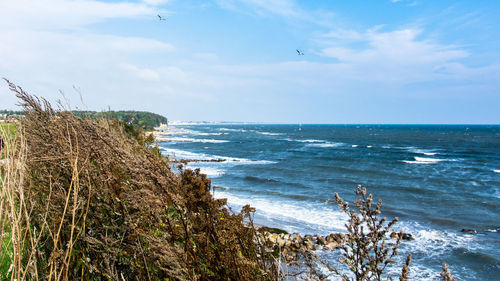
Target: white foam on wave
{"points": [[423, 160], [310, 140], [174, 131], [369, 146], [326, 144], [428, 152], [182, 154], [211, 172], [354, 145], [205, 134], [268, 133], [323, 217], [232, 130], [177, 139], [496, 171], [434, 242]]}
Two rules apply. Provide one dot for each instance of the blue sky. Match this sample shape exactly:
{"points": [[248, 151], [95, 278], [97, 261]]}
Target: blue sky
{"points": [[380, 61]]}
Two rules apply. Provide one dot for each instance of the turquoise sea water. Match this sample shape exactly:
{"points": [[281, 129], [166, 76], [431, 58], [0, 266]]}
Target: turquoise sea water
{"points": [[436, 179]]}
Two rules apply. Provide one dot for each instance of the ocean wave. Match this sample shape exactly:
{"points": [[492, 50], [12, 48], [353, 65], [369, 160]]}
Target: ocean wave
{"points": [[423, 160], [182, 154], [269, 134], [232, 130], [196, 133], [324, 217], [326, 144], [354, 145], [176, 139], [428, 152], [434, 242], [211, 172], [174, 131], [496, 171], [310, 140]]}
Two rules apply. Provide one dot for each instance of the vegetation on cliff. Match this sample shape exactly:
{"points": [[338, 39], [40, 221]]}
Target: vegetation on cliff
{"points": [[82, 199], [142, 119], [145, 120]]}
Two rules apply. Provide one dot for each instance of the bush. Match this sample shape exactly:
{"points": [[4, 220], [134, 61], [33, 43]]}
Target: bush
{"points": [[365, 251], [96, 204]]}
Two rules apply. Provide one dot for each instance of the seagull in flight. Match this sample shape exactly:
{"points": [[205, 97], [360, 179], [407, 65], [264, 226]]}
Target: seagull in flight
{"points": [[299, 53], [161, 18]]}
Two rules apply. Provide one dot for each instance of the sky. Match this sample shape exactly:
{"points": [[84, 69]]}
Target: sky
{"points": [[378, 61]]}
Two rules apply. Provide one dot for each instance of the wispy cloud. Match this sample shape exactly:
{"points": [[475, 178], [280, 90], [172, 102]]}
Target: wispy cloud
{"points": [[64, 14], [279, 7], [49, 43], [156, 2], [397, 56]]}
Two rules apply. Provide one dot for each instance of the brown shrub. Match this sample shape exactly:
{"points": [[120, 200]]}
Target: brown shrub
{"points": [[102, 205]]}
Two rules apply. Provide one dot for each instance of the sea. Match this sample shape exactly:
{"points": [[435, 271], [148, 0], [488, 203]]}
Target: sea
{"points": [[437, 179]]}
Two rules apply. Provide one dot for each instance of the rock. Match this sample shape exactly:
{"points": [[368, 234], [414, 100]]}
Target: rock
{"points": [[280, 241], [309, 244], [465, 230], [408, 237], [321, 240], [329, 239], [284, 252], [338, 237], [332, 245], [273, 230]]}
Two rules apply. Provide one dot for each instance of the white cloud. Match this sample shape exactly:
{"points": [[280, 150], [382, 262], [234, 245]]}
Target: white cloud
{"points": [[156, 2], [286, 8], [143, 73], [47, 46], [65, 14], [396, 56]]}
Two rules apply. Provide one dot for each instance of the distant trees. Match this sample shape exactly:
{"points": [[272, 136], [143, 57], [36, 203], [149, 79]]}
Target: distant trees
{"points": [[143, 119]]}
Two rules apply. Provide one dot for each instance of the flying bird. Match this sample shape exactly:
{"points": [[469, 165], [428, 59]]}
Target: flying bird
{"points": [[299, 53], [161, 18]]}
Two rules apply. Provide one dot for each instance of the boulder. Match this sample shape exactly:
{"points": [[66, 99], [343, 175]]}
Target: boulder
{"points": [[465, 230], [406, 236], [332, 245], [321, 240]]}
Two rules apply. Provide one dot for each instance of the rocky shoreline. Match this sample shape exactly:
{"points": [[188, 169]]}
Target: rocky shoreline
{"points": [[291, 246]]}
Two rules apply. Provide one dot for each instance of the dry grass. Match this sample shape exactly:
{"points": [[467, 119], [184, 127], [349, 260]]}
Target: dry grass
{"points": [[82, 199]]}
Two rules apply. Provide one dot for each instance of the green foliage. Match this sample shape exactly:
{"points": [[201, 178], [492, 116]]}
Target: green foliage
{"points": [[9, 128], [145, 120], [11, 112], [6, 252]]}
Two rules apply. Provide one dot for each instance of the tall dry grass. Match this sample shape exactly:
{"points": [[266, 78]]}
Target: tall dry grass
{"points": [[84, 199], [16, 232]]}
